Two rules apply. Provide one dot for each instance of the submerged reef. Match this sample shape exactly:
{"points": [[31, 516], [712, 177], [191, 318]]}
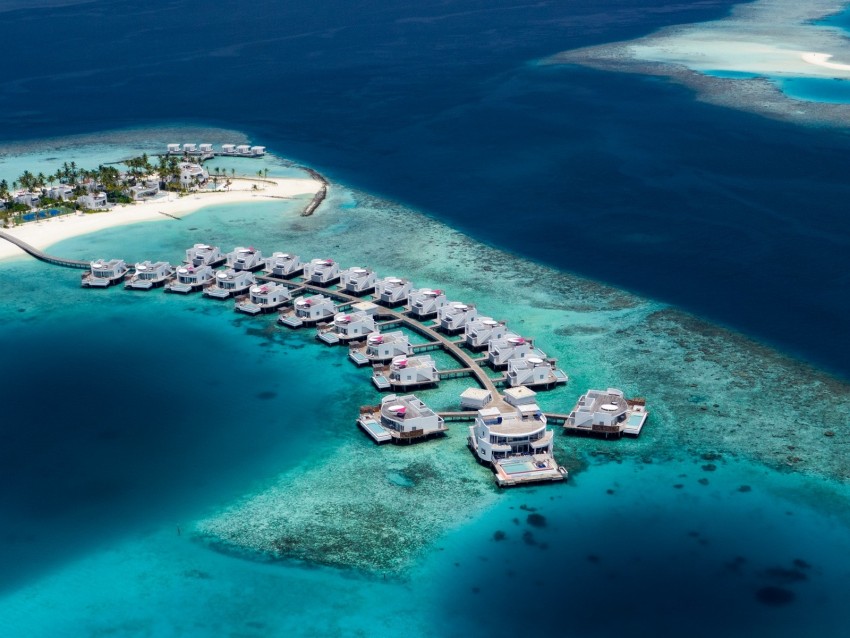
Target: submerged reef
{"points": [[712, 394], [352, 511]]}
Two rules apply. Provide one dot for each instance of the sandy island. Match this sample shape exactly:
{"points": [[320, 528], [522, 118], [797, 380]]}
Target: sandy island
{"points": [[762, 40], [43, 234]]}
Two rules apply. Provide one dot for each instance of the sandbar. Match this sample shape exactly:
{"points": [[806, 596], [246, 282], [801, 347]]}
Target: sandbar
{"points": [[758, 44]]}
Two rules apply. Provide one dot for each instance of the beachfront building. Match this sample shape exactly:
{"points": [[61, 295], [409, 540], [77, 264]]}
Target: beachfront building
{"points": [[406, 372], [229, 283], [357, 281], [424, 303], [479, 332], [141, 192], [321, 272], [189, 278], [192, 174], [150, 274], [454, 316], [511, 346], [284, 265], [381, 348], [401, 419], [513, 439], [27, 198], [93, 201], [248, 259], [534, 372], [392, 291], [104, 273], [204, 255], [264, 298], [348, 327], [607, 413], [60, 192]]}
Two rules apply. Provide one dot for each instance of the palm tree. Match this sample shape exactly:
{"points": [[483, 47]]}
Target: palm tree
{"points": [[233, 172], [266, 172]]}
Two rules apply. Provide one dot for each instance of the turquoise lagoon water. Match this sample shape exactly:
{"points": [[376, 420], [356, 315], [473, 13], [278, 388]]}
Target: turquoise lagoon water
{"points": [[181, 470]]}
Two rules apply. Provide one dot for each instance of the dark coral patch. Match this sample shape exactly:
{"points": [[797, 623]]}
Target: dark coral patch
{"points": [[774, 596]]}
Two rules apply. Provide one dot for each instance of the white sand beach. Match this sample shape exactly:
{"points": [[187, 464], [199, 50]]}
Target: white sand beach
{"points": [[42, 234]]}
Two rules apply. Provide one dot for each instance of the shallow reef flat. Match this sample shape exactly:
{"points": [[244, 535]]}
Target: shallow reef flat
{"points": [[735, 61], [712, 394], [364, 508]]}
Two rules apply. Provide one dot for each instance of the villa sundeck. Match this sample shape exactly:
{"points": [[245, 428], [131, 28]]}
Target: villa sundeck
{"points": [[401, 419], [357, 281], [263, 298], [190, 279], [479, 332], [347, 327], [248, 259], [321, 272], [230, 283], [284, 265], [425, 303], [534, 372], [103, 273], [406, 372], [381, 348], [204, 255], [149, 274], [607, 413], [308, 311], [392, 291], [511, 346], [454, 317]]}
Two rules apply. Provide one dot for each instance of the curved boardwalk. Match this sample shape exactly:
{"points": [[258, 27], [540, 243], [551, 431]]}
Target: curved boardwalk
{"points": [[50, 259], [451, 347]]}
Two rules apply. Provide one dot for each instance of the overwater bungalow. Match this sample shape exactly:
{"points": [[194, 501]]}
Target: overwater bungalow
{"points": [[190, 149], [244, 150], [513, 439], [284, 265], [479, 332], [424, 303], [475, 398], [228, 149], [511, 346], [230, 283], [309, 311], [357, 281], [150, 274], [204, 255], [455, 316], [392, 291], [190, 279], [405, 373], [174, 149], [607, 413], [321, 272], [381, 348], [534, 372], [242, 258], [401, 419], [348, 327], [103, 273], [263, 298]]}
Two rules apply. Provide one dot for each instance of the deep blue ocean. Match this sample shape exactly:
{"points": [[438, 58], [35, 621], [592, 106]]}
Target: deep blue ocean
{"points": [[127, 418]]}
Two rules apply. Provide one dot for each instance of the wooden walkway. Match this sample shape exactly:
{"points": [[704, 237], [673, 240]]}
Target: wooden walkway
{"points": [[451, 347], [42, 256]]}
